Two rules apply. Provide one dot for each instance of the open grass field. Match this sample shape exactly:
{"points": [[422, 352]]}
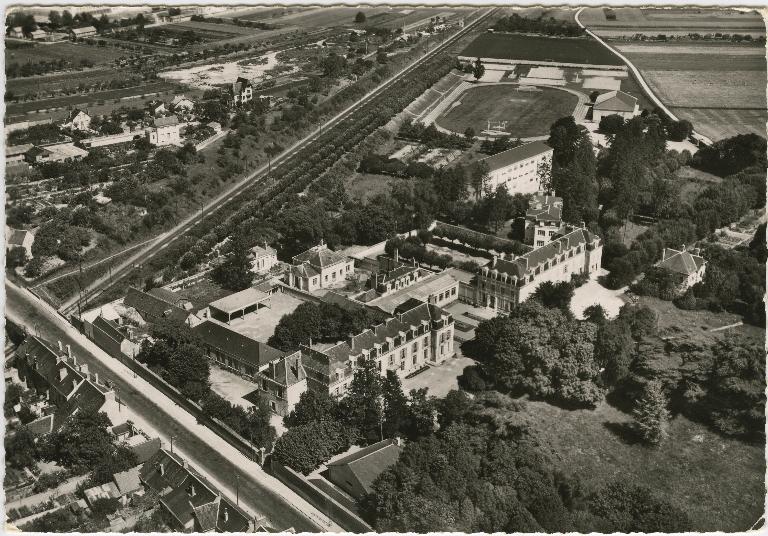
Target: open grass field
{"points": [[326, 17], [529, 113], [719, 87], [68, 51], [631, 20], [363, 186], [210, 27], [718, 481], [583, 50]]}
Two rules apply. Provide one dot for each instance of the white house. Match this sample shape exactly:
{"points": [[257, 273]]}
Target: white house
{"points": [[241, 90], [79, 33], [19, 238], [319, 267], [262, 258], [182, 103], [16, 33], [78, 120], [615, 102], [518, 168], [167, 131]]}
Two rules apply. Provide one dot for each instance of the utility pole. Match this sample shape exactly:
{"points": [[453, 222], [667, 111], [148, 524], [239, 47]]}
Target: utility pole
{"points": [[237, 489]]}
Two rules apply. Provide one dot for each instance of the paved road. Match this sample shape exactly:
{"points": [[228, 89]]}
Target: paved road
{"points": [[151, 410], [167, 238], [638, 77]]}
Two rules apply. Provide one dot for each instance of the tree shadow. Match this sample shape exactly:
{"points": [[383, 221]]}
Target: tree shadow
{"points": [[624, 431]]}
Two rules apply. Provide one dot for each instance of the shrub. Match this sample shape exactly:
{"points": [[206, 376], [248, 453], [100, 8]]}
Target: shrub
{"points": [[472, 380], [304, 448]]}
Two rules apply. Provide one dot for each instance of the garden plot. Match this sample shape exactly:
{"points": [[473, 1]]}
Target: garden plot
{"points": [[602, 82]]}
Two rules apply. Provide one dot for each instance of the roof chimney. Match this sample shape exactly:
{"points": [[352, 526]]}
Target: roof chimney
{"points": [[61, 347], [191, 490], [493, 262], [397, 256], [69, 351], [95, 377], [226, 514]]}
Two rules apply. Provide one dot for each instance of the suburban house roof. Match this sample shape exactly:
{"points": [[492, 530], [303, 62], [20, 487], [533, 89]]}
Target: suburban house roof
{"points": [[166, 121], [524, 264], [516, 154], [66, 150], [74, 113], [235, 344], [368, 463], [147, 449], [545, 208], [128, 481], [304, 271], [239, 300], [262, 251], [110, 329], [189, 497], [164, 294], [681, 262], [615, 101], [15, 150], [153, 306], [240, 84], [319, 257], [16, 237], [84, 29]]}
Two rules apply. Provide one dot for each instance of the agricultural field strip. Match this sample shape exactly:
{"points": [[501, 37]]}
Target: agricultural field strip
{"points": [[540, 49]]}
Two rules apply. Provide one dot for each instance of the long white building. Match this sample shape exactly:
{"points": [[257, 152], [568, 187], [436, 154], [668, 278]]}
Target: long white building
{"points": [[518, 168]]}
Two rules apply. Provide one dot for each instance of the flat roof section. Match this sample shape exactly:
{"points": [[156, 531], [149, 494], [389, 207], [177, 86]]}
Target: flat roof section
{"points": [[239, 300]]}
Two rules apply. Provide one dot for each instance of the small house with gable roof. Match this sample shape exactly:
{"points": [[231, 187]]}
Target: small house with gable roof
{"points": [[689, 265]]}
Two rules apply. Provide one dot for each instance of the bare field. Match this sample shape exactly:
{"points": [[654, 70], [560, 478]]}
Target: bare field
{"points": [[667, 21], [67, 51], [704, 89], [719, 124]]}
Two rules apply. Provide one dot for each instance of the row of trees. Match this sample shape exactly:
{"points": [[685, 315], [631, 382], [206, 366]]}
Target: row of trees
{"points": [[538, 25]]}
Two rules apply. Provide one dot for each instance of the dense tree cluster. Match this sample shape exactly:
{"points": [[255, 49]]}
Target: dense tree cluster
{"points": [[543, 352], [539, 25], [323, 322], [732, 155], [482, 473], [430, 136], [373, 409]]}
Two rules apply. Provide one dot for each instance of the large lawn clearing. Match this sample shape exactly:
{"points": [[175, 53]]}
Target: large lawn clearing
{"points": [[529, 113], [719, 482], [363, 186], [582, 50], [68, 51]]}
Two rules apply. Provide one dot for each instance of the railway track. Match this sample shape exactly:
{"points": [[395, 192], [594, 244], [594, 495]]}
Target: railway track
{"points": [[255, 177]]}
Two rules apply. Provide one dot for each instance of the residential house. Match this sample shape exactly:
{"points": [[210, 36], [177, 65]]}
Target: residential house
{"points": [[60, 152], [262, 258], [16, 33], [81, 33], [15, 153], [68, 387], [166, 131], [417, 335], [615, 102], [688, 265], [19, 238], [356, 472], [193, 503], [111, 337], [518, 168], [506, 283], [78, 120], [38, 35], [181, 103], [543, 219], [152, 308], [241, 90], [319, 267], [157, 108]]}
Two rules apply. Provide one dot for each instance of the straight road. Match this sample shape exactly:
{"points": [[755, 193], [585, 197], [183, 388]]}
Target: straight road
{"points": [[638, 77], [157, 414], [167, 238]]}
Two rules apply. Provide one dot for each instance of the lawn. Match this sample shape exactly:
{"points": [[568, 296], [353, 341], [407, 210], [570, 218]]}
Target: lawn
{"points": [[693, 181], [68, 51], [718, 481], [582, 50], [363, 186], [529, 113]]}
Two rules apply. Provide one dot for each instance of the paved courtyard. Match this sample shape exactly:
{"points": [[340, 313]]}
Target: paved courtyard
{"points": [[592, 292], [230, 386], [260, 325], [442, 378]]}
